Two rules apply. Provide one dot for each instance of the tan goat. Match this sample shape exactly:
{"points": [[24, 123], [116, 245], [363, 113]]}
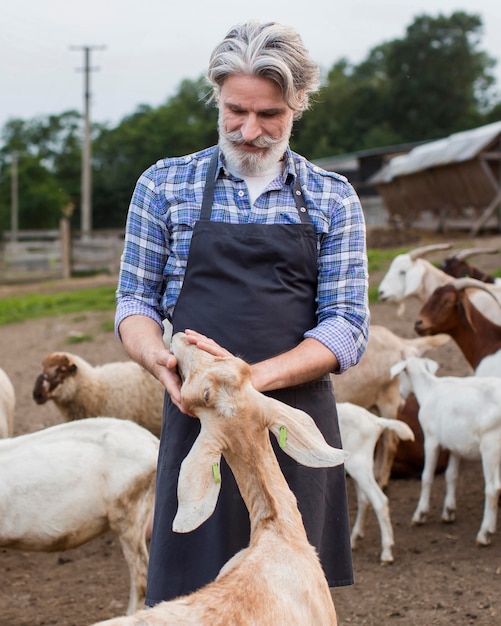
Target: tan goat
{"points": [[278, 578], [122, 389]]}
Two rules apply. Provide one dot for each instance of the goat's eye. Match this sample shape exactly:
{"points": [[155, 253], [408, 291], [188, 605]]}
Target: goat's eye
{"points": [[207, 395]]}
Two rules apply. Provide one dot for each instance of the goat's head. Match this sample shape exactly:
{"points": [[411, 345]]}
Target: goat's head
{"points": [[456, 265], [218, 390], [405, 274], [442, 312], [402, 279], [449, 308], [56, 368], [404, 368]]}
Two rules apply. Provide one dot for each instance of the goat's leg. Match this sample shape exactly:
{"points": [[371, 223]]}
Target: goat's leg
{"points": [[132, 530], [358, 530], [431, 451], [370, 491], [451, 480], [491, 465], [136, 555]]}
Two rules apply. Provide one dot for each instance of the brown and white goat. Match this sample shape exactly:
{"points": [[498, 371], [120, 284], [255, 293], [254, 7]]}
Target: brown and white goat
{"points": [[456, 265], [410, 275], [449, 310], [121, 389], [278, 578]]}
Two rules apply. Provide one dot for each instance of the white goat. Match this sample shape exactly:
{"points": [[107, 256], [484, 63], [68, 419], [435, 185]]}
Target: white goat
{"points": [[67, 484], [278, 579], [370, 385], [360, 431], [462, 414], [7, 405], [409, 275], [122, 389]]}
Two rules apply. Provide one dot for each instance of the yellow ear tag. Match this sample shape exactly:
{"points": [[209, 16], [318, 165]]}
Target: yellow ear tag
{"points": [[283, 436], [215, 473]]}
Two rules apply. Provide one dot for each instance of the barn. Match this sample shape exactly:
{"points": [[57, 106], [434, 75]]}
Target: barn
{"points": [[453, 182]]}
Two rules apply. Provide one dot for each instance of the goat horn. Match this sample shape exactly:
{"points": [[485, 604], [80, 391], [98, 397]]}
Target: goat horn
{"points": [[419, 252], [460, 255], [464, 283]]}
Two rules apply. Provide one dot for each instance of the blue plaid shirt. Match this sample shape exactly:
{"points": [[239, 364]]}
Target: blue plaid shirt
{"points": [[166, 204]]}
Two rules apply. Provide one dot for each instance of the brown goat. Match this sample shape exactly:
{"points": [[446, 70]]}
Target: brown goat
{"points": [[449, 310], [457, 266]]}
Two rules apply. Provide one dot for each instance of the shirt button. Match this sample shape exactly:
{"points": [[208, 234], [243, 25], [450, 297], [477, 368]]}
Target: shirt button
{"points": [[241, 193]]}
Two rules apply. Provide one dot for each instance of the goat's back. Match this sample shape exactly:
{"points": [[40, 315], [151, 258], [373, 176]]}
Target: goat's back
{"points": [[81, 469]]}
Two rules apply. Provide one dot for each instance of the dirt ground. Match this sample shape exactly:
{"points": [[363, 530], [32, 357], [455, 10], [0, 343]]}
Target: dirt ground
{"points": [[439, 576]]}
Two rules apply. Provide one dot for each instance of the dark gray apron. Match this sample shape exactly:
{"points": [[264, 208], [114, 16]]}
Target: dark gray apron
{"points": [[251, 288]]}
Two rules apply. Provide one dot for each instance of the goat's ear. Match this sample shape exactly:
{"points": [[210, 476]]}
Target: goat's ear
{"points": [[198, 486], [397, 368], [466, 307], [431, 365], [300, 438]]}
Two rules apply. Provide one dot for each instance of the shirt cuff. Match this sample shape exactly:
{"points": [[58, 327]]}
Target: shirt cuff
{"points": [[335, 334], [127, 306]]}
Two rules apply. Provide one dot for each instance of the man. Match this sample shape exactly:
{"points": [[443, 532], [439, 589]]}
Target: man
{"points": [[251, 250]]}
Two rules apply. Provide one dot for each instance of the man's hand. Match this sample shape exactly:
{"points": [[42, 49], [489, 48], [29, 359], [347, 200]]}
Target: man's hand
{"points": [[204, 343]]}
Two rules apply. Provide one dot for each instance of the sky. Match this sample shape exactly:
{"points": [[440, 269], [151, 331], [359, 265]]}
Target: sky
{"points": [[141, 50]]}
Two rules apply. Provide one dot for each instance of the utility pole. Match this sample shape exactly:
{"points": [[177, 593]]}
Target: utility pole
{"points": [[86, 202], [14, 199]]}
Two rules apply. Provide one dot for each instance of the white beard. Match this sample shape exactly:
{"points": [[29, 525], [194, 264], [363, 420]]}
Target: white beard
{"points": [[252, 163]]}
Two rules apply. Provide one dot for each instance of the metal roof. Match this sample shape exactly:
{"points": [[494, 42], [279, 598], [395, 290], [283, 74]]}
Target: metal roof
{"points": [[351, 159], [456, 148]]}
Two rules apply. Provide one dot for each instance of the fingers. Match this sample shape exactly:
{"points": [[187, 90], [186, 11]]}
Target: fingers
{"points": [[205, 343]]}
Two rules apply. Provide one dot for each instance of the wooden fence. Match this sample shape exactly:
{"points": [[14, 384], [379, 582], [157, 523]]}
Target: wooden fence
{"points": [[46, 254]]}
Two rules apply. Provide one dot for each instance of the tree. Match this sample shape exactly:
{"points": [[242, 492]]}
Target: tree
{"points": [[433, 82], [349, 113], [439, 81], [49, 156], [184, 124]]}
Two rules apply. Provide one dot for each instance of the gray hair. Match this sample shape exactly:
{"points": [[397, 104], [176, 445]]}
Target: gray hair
{"points": [[268, 50]]}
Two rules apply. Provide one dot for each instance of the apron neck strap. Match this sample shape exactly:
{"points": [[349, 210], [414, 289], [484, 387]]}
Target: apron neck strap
{"points": [[210, 182]]}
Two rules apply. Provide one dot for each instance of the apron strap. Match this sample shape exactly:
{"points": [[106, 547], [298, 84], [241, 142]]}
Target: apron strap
{"points": [[210, 182]]}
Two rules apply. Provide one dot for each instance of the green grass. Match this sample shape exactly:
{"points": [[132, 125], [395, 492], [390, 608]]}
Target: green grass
{"points": [[31, 306], [380, 259]]}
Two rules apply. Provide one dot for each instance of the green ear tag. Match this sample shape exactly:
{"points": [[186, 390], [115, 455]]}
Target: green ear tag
{"points": [[283, 436], [215, 472]]}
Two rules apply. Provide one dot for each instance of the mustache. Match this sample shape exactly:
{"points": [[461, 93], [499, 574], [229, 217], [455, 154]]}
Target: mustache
{"points": [[260, 142]]}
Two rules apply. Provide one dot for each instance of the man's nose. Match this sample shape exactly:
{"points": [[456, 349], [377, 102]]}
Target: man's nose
{"points": [[251, 128]]}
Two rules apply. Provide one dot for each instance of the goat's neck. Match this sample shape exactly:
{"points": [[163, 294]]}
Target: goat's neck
{"points": [[433, 278], [421, 383], [476, 345], [263, 486]]}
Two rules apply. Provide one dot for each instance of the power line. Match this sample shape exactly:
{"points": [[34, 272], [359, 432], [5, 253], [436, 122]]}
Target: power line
{"points": [[86, 201]]}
